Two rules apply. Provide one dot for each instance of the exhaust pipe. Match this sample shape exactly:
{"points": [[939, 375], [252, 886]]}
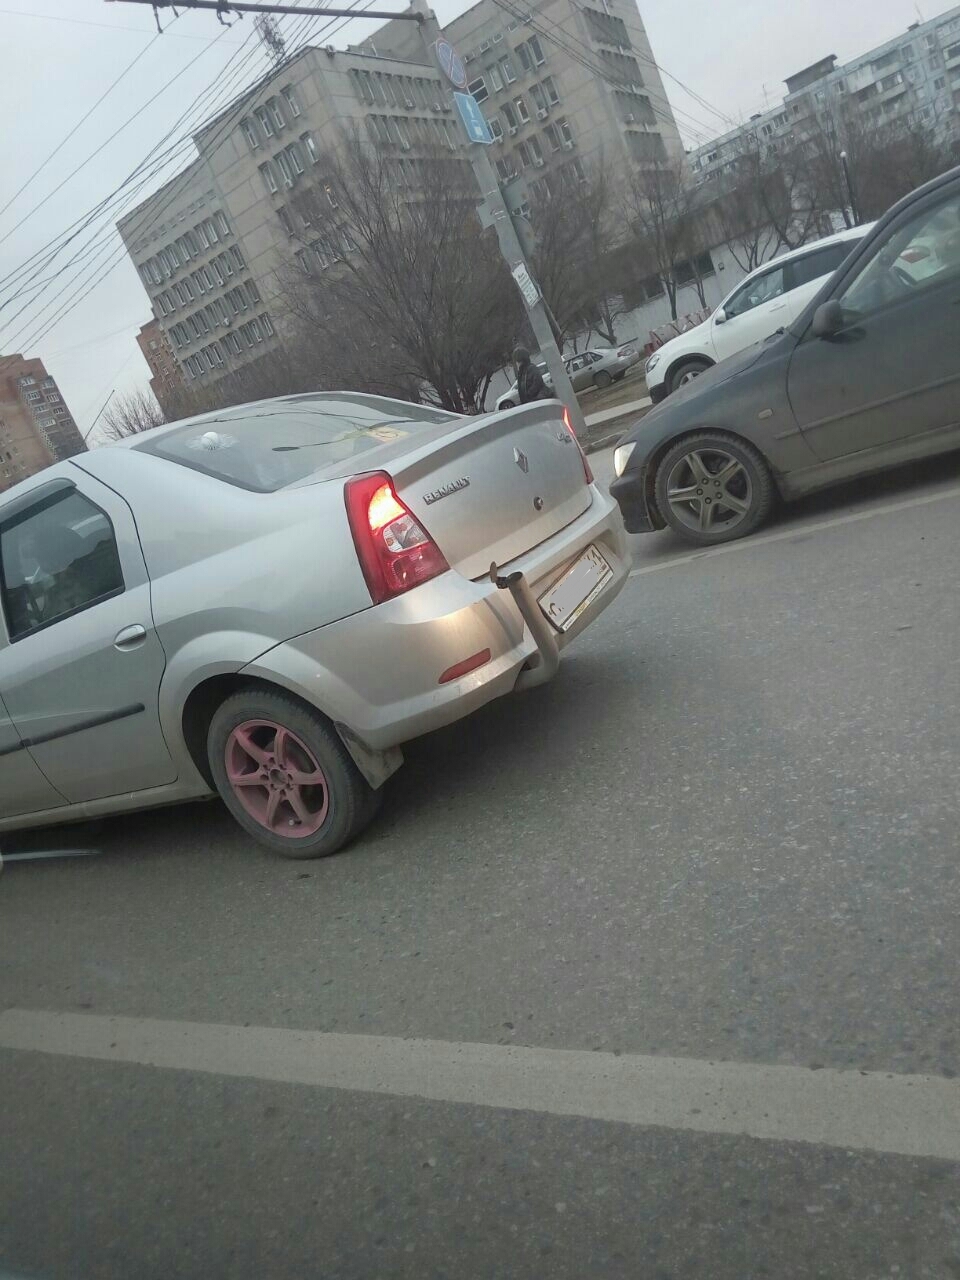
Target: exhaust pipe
{"points": [[548, 654]]}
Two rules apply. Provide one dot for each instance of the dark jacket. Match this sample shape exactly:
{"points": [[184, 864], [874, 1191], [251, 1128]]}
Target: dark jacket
{"points": [[530, 384]]}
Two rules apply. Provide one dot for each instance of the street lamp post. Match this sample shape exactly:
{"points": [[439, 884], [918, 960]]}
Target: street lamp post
{"points": [[851, 193]]}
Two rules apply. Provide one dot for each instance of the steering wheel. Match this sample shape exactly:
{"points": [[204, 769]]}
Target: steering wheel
{"points": [[904, 276]]}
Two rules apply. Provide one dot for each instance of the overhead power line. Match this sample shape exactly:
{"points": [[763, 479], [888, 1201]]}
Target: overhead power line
{"points": [[98, 271]]}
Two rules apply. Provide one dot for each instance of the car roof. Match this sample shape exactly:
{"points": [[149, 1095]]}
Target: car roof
{"points": [[848, 233]]}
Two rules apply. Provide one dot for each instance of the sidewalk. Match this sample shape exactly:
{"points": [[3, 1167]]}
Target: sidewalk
{"points": [[606, 428]]}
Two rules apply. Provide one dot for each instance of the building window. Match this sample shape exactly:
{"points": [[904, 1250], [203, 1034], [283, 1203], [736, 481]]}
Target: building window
{"points": [[223, 226], [539, 97], [522, 111], [495, 79], [283, 164], [253, 293], [33, 395], [266, 124], [217, 271], [553, 137], [566, 134], [301, 257], [310, 143], [249, 130], [27, 381], [48, 382], [510, 116], [237, 258], [534, 45], [267, 325], [536, 151], [525, 57], [269, 178], [296, 158], [290, 98], [551, 90], [479, 89], [187, 288], [273, 106], [507, 70], [496, 128], [939, 83]]}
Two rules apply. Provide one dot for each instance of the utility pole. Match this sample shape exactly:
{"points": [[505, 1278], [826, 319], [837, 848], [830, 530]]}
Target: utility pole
{"points": [[497, 213], [509, 241]]}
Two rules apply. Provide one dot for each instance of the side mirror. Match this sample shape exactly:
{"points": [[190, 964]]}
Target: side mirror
{"points": [[827, 319], [719, 316]]}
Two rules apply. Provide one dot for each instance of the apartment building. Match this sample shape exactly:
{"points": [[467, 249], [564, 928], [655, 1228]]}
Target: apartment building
{"points": [[36, 427], [561, 85], [166, 379], [209, 244], [913, 79]]}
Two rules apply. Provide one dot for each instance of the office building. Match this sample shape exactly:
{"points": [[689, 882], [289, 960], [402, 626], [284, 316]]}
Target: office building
{"points": [[912, 80], [36, 427], [209, 244]]}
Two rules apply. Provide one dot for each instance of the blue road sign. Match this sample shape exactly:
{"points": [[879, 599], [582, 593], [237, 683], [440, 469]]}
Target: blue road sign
{"points": [[451, 64], [473, 118]]}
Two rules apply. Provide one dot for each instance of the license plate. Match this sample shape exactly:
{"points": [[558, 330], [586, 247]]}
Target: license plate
{"points": [[570, 594]]}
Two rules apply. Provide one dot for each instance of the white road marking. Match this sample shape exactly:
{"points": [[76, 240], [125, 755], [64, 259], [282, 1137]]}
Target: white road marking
{"points": [[795, 531], [867, 1111]]}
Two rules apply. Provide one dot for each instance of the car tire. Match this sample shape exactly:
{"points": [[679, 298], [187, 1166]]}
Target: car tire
{"points": [[308, 819], [687, 371], [506, 404], [603, 379], [713, 488]]}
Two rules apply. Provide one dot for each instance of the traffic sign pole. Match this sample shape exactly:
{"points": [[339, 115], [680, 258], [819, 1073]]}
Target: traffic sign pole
{"points": [[499, 217]]}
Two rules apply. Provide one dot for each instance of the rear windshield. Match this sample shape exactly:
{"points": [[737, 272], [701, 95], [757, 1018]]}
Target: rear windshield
{"points": [[275, 445]]}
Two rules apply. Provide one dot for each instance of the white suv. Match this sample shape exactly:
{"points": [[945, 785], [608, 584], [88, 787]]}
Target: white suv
{"points": [[768, 299]]}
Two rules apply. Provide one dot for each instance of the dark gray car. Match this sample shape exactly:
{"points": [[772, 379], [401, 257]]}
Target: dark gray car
{"points": [[867, 377]]}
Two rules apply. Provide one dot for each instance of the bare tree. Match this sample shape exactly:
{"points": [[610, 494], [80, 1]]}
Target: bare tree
{"points": [[577, 226], [130, 414], [396, 288], [660, 205]]}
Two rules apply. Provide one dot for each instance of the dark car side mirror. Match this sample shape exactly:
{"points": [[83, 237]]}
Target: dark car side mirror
{"points": [[827, 319]]}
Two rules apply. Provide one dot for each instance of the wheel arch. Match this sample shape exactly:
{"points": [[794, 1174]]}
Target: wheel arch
{"points": [[689, 357]]}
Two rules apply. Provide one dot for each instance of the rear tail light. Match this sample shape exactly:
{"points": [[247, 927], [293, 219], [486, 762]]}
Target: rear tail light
{"points": [[395, 552], [587, 473]]}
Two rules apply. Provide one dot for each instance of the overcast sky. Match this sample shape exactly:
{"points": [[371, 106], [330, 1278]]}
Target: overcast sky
{"points": [[62, 55]]}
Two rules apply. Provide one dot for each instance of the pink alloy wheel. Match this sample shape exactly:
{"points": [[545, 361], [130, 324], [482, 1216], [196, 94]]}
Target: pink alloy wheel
{"points": [[277, 779]]}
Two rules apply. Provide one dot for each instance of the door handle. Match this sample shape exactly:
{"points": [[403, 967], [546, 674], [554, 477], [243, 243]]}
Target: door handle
{"points": [[130, 637]]}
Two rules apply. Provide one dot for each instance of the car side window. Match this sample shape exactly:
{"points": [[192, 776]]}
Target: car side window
{"points": [[756, 292], [575, 364], [919, 253], [820, 262], [56, 558]]}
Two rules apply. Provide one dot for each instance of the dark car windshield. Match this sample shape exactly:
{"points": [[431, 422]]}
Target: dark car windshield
{"points": [[265, 447]]}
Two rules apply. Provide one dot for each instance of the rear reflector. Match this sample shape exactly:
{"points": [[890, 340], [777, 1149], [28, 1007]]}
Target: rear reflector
{"points": [[395, 552], [465, 667], [587, 472]]}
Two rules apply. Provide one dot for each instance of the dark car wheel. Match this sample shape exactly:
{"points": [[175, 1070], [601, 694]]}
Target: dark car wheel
{"points": [[286, 777], [603, 379], [687, 371], [507, 404], [711, 488]]}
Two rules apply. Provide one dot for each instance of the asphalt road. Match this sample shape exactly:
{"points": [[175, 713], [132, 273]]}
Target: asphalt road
{"points": [[717, 856]]}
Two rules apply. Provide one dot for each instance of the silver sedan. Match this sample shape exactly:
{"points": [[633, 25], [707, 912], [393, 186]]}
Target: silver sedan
{"points": [[264, 603], [600, 366]]}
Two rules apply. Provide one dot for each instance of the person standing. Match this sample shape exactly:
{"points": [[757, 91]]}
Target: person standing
{"points": [[530, 384]]}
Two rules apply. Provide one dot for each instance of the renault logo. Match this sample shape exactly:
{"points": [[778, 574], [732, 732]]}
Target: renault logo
{"points": [[520, 458]]}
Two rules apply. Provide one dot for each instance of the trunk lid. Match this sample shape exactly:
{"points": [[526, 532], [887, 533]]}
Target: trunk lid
{"points": [[488, 488]]}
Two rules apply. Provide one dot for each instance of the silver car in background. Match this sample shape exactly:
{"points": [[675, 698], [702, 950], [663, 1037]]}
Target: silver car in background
{"points": [[601, 366], [265, 602]]}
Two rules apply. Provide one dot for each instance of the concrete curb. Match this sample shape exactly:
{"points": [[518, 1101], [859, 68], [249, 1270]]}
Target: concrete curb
{"points": [[610, 437]]}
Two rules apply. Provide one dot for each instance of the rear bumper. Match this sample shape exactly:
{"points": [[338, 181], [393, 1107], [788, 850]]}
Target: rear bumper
{"points": [[378, 671]]}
